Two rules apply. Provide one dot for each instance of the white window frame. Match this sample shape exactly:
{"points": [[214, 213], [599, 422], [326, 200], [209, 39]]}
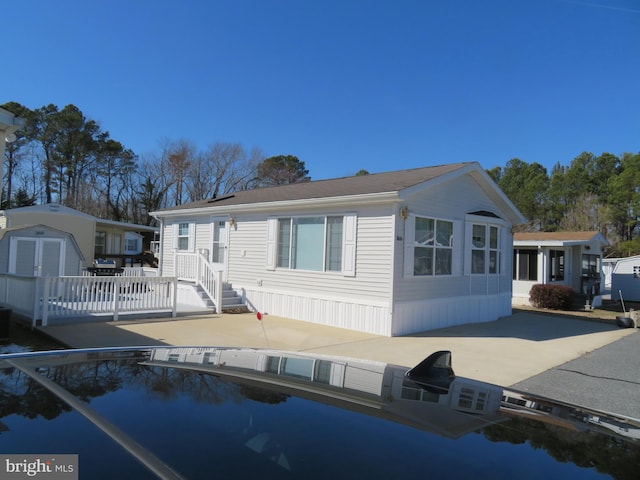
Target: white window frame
{"points": [[100, 243], [348, 244], [557, 265], [486, 249], [129, 242], [411, 244], [190, 236], [532, 256], [488, 222]]}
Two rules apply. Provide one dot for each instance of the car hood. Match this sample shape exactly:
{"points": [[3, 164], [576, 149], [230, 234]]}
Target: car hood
{"points": [[178, 412]]}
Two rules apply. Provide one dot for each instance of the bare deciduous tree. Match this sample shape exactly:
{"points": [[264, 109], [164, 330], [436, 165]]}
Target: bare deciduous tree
{"points": [[223, 168]]}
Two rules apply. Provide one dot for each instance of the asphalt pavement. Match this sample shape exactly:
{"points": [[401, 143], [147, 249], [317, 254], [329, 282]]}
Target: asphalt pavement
{"points": [[606, 379]]}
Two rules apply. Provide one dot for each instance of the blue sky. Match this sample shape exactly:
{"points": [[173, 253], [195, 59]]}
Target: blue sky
{"points": [[341, 84]]}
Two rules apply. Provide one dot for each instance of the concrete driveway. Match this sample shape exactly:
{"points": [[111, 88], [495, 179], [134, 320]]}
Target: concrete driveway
{"points": [[504, 352]]}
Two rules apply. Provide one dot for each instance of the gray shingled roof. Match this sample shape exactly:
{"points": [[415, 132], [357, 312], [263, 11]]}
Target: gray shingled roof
{"points": [[354, 185]]}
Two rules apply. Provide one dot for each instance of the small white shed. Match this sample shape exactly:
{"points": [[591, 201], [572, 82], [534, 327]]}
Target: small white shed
{"points": [[625, 278], [39, 251]]}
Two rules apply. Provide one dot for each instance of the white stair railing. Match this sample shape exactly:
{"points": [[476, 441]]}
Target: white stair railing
{"points": [[195, 267], [210, 280]]}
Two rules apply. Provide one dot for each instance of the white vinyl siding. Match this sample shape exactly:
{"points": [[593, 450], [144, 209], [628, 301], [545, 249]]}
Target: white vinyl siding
{"points": [[272, 238], [373, 257]]}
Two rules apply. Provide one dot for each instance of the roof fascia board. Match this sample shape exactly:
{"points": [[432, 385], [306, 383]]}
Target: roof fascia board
{"points": [[341, 201], [598, 238], [56, 208], [132, 227], [549, 243]]}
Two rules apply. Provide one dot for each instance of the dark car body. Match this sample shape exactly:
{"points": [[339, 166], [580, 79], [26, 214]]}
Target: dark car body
{"points": [[206, 412]]}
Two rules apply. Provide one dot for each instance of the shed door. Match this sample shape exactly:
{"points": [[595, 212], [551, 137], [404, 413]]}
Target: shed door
{"points": [[38, 257]]}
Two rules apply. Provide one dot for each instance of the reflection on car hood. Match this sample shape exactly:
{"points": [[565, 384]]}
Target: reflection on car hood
{"points": [[175, 412]]}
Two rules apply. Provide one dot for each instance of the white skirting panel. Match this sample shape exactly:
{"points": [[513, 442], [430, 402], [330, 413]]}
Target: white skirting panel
{"points": [[420, 316], [521, 301], [334, 313]]}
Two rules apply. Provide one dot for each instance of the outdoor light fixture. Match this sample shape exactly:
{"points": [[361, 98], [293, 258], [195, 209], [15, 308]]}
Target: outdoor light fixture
{"points": [[404, 212], [232, 221]]}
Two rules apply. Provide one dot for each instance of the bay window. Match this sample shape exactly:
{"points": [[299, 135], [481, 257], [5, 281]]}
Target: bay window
{"points": [[485, 249]]}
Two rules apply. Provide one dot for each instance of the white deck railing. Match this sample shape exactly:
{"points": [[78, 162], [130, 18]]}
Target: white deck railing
{"points": [[195, 267], [21, 294], [45, 298]]}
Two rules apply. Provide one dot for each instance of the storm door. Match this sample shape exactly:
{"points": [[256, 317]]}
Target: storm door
{"points": [[219, 243]]}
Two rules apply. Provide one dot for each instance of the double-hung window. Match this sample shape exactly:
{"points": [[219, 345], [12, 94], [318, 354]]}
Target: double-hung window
{"points": [[184, 236], [485, 249], [310, 243], [432, 247], [100, 247], [131, 245]]}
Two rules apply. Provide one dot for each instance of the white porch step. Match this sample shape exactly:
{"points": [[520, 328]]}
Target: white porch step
{"points": [[230, 299]]}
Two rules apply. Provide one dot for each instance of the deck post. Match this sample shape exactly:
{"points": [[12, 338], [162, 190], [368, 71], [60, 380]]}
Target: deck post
{"points": [[45, 300], [218, 289], [116, 297], [174, 293]]}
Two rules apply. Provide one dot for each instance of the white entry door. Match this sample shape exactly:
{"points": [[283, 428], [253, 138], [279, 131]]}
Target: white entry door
{"points": [[219, 244], [37, 257]]}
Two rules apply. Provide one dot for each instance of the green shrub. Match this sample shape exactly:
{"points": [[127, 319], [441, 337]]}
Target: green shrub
{"points": [[555, 297]]}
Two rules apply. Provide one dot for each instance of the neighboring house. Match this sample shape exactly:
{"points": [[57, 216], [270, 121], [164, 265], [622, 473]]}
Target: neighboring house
{"points": [[573, 259], [390, 253], [625, 279], [39, 251], [94, 236]]}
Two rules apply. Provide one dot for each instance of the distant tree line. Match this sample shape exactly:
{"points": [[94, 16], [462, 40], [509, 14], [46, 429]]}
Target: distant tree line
{"points": [[62, 156], [600, 193]]}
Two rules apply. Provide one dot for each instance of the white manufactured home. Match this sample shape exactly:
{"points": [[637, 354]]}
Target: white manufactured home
{"points": [[573, 259], [390, 253]]}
